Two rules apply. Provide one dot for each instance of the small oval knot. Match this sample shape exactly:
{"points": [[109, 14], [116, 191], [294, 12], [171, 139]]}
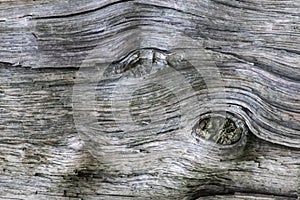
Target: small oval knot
{"points": [[225, 130]]}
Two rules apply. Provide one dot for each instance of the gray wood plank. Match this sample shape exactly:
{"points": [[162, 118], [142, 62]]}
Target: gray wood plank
{"points": [[101, 99]]}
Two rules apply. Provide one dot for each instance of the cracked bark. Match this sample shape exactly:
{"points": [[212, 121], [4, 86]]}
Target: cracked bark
{"points": [[54, 147]]}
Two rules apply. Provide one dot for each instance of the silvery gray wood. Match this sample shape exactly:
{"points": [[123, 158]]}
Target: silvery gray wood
{"points": [[44, 45]]}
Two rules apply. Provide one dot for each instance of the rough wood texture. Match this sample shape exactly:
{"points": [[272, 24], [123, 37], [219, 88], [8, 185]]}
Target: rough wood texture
{"points": [[100, 99]]}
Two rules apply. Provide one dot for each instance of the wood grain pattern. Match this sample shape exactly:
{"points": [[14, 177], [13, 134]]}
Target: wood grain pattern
{"points": [[98, 99]]}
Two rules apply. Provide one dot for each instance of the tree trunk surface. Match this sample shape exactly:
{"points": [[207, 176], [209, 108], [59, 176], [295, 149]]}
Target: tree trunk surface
{"points": [[135, 99]]}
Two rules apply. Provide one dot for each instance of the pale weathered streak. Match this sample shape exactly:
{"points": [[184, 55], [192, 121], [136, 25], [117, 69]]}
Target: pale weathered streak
{"points": [[56, 142]]}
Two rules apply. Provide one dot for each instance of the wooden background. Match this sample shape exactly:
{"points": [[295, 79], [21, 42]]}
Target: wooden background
{"points": [[70, 71]]}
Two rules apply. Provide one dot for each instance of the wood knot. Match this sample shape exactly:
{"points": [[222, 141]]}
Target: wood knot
{"points": [[138, 63], [224, 130]]}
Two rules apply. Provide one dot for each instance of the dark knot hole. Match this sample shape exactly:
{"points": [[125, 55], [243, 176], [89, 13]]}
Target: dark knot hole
{"points": [[219, 129]]}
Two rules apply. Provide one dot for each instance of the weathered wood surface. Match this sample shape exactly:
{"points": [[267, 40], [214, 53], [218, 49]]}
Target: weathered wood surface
{"points": [[99, 99]]}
